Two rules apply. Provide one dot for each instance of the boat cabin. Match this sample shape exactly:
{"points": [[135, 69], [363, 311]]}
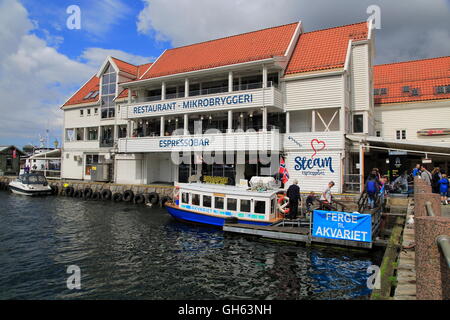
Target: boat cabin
{"points": [[32, 178], [229, 201]]}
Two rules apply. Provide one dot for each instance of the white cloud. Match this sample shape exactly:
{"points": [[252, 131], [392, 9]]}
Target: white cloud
{"points": [[34, 78], [100, 16], [410, 29], [96, 56]]}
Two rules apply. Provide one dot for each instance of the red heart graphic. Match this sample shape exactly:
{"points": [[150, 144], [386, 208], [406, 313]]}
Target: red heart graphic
{"points": [[317, 142]]}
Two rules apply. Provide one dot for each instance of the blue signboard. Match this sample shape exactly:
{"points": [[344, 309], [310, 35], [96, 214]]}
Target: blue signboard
{"points": [[342, 225]]}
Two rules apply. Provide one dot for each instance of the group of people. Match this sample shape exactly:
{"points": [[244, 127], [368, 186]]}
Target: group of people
{"points": [[293, 193], [437, 179], [377, 187]]}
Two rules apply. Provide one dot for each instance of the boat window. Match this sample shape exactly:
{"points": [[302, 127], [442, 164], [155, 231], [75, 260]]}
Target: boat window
{"points": [[260, 207], [195, 199], [274, 203], [232, 204], [218, 202], [207, 201], [185, 197], [245, 205]]}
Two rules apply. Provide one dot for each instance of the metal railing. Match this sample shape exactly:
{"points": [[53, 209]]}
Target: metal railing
{"points": [[206, 91]]}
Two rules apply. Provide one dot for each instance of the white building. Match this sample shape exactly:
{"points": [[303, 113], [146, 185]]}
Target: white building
{"points": [[305, 95]]}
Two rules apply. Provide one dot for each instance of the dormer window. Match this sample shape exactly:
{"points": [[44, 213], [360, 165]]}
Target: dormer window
{"points": [[415, 92], [380, 91]]}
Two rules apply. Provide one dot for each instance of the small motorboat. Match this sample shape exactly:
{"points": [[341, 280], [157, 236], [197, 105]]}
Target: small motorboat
{"points": [[30, 184]]}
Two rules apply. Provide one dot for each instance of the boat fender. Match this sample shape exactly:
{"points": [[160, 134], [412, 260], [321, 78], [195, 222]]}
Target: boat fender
{"points": [[68, 191], [282, 204], [96, 196], [78, 194], [139, 198], [117, 197], [2, 185], [164, 199], [231, 220], [88, 193], [128, 196], [153, 198], [106, 194], [55, 190]]}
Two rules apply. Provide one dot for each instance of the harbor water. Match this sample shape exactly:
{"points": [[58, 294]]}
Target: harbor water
{"points": [[127, 251]]}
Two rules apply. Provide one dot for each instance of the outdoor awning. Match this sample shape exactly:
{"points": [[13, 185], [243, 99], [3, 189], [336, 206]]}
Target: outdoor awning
{"points": [[410, 146]]}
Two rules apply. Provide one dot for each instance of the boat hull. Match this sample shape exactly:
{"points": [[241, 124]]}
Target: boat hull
{"points": [[193, 217], [24, 192]]}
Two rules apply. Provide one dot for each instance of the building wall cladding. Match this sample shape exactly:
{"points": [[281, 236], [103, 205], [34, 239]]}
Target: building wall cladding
{"points": [[413, 117]]}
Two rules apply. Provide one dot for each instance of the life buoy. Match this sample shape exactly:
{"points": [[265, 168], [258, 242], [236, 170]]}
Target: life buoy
{"points": [[176, 193], [106, 194], [282, 204], [117, 197], [96, 196], [153, 198], [128, 196], [87, 193], [139, 199]]}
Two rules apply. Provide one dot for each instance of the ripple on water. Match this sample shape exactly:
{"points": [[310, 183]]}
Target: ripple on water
{"points": [[135, 252]]}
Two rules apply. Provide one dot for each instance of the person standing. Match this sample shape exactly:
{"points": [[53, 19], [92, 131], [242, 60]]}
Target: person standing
{"points": [[436, 176], [293, 193], [443, 188], [426, 175], [372, 190], [416, 170], [326, 195]]}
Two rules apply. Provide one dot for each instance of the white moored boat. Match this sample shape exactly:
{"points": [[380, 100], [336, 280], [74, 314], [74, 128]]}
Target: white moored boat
{"points": [[30, 184]]}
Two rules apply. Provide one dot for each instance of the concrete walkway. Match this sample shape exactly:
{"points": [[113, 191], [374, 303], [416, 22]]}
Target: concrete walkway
{"points": [[406, 270]]}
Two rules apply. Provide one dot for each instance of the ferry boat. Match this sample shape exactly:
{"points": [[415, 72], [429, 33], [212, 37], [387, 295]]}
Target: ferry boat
{"points": [[215, 205], [30, 184]]}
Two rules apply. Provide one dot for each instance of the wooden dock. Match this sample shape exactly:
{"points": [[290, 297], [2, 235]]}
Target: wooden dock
{"points": [[294, 231], [298, 234]]}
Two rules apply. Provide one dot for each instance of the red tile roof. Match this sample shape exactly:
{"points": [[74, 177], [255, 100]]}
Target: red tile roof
{"points": [[325, 49], [78, 98], [425, 75], [251, 46], [93, 83]]}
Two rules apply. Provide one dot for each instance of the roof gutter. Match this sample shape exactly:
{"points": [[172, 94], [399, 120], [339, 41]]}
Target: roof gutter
{"points": [[196, 72]]}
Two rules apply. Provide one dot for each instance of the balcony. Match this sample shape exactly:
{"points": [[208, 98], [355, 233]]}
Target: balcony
{"points": [[234, 141], [205, 100]]}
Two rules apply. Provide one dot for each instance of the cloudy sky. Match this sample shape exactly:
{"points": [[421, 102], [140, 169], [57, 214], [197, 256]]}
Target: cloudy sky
{"points": [[42, 62]]}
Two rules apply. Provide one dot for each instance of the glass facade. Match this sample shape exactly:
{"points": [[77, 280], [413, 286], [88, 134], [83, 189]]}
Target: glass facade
{"points": [[108, 93]]}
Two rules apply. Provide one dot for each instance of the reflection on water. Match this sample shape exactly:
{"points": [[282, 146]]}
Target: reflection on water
{"points": [[134, 252]]}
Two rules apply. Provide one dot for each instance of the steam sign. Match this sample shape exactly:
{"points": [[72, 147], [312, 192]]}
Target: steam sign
{"points": [[314, 166]]}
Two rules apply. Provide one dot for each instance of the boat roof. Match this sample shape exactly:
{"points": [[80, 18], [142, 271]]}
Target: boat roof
{"points": [[228, 190]]}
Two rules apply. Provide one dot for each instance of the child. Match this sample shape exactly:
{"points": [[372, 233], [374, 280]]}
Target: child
{"points": [[443, 188], [310, 201]]}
